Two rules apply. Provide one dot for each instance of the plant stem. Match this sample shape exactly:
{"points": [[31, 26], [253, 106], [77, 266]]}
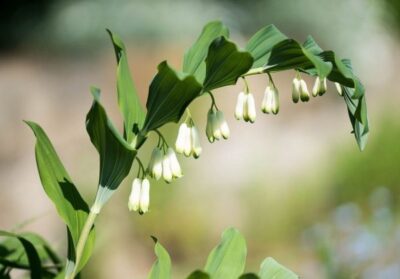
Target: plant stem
{"points": [[87, 227]]}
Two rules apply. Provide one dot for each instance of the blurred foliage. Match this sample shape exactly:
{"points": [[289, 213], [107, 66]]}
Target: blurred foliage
{"points": [[354, 177], [393, 14]]}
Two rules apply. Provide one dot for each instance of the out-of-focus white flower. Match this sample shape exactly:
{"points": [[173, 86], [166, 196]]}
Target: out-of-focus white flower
{"points": [[180, 140], [166, 169], [211, 119], [144, 196], [295, 90], [134, 197], [196, 147], [339, 88], [222, 125], [217, 127], [174, 163], [304, 94], [155, 164], [270, 101], [319, 87], [250, 108], [240, 106], [187, 143]]}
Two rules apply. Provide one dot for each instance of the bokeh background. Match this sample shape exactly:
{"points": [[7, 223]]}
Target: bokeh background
{"points": [[294, 184]]}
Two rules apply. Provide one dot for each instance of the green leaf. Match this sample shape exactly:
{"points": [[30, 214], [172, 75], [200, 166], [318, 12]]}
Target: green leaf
{"points": [[249, 276], [262, 42], [31, 254], [225, 64], [228, 259], [198, 274], [161, 268], [128, 99], [193, 61], [116, 155], [289, 54], [271, 269], [170, 94], [58, 186]]}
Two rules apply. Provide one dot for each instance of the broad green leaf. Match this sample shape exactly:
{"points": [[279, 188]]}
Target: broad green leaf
{"points": [[169, 95], [58, 186], [311, 45], [161, 268], [262, 42], [198, 274], [228, 259], [116, 155], [35, 264], [128, 99], [289, 54], [249, 276], [340, 73], [271, 269], [225, 64], [194, 59]]}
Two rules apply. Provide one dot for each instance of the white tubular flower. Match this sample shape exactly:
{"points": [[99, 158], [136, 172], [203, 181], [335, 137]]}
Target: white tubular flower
{"points": [[275, 101], [210, 126], [196, 147], [339, 88], [187, 142], [304, 94], [250, 108], [270, 103], [180, 140], [155, 164], [223, 125], [319, 87], [174, 163], [295, 90], [134, 197], [240, 105], [144, 197], [166, 169]]}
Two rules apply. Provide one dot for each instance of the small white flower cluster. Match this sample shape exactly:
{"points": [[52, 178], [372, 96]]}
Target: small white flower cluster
{"points": [[270, 102], [188, 141], [245, 107], [300, 90], [217, 127], [139, 199], [164, 165], [320, 87]]}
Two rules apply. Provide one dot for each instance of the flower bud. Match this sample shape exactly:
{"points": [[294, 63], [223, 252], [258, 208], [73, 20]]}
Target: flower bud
{"points": [[295, 90], [319, 87], [155, 164], [174, 163], [209, 127], [275, 101], [166, 169], [250, 108], [187, 142], [270, 101], [240, 106], [144, 197], [134, 197], [339, 88], [304, 94], [180, 140], [196, 147], [222, 124]]}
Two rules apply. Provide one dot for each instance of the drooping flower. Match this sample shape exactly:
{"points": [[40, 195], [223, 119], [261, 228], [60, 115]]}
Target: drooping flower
{"points": [[174, 163], [270, 103], [319, 87], [144, 197], [239, 109], [222, 125], [304, 94], [180, 140], [211, 119], [249, 113], [134, 197], [339, 88], [166, 169], [296, 90], [217, 127], [155, 168], [196, 147]]}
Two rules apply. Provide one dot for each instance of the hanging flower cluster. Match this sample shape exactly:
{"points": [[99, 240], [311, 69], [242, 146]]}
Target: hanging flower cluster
{"points": [[164, 162]]}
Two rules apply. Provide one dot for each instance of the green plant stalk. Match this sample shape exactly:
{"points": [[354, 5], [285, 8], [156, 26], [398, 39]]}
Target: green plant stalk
{"points": [[82, 242]]}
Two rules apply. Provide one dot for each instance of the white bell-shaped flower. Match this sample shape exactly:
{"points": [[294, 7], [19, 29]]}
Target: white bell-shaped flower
{"points": [[211, 119], [319, 87], [155, 164], [222, 124], [134, 197], [295, 90], [187, 142], [196, 147], [180, 140], [339, 88], [239, 109], [174, 163], [166, 169], [270, 103], [250, 108], [304, 94], [144, 197]]}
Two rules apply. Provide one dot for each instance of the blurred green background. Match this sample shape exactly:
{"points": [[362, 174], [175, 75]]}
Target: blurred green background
{"points": [[294, 184]]}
